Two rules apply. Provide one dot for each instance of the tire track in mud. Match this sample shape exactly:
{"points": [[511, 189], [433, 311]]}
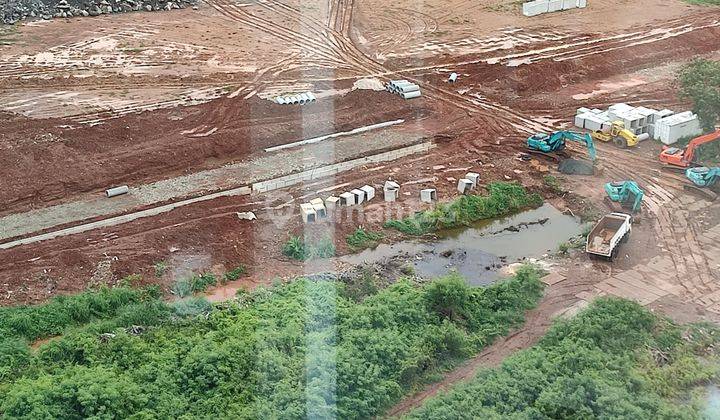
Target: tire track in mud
{"points": [[679, 234]]}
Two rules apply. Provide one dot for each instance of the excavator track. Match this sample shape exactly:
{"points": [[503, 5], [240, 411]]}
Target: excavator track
{"points": [[705, 193]]}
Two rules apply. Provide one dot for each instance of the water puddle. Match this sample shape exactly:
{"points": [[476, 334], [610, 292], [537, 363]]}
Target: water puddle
{"points": [[712, 410], [479, 251]]}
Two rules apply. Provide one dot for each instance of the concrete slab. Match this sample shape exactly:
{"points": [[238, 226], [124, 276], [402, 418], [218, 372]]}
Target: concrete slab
{"points": [[553, 278], [555, 5]]}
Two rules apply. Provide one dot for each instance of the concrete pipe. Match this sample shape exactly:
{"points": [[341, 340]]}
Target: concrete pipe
{"points": [[643, 136], [112, 192], [280, 100], [311, 96], [294, 100], [409, 88], [411, 95], [304, 99], [453, 77]]}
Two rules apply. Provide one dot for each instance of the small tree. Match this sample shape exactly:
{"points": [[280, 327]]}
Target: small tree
{"points": [[700, 82]]}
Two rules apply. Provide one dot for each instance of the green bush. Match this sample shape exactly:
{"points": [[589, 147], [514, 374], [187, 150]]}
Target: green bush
{"points": [[362, 238], [160, 268], [303, 250], [613, 360], [299, 350], [504, 198], [235, 273], [202, 282], [52, 318]]}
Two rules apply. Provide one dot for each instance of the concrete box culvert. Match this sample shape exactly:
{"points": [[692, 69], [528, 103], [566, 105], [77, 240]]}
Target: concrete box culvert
{"points": [[115, 191]]}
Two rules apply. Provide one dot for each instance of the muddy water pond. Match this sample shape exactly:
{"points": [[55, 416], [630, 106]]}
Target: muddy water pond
{"points": [[712, 409], [478, 251]]}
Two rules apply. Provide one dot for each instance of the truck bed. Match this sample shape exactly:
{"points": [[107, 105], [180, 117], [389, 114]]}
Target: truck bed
{"points": [[600, 238]]}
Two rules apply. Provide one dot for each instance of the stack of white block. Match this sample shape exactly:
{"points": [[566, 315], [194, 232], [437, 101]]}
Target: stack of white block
{"points": [[539, 7], [641, 120]]}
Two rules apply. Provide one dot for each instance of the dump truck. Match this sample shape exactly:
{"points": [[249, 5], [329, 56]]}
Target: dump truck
{"points": [[606, 236]]}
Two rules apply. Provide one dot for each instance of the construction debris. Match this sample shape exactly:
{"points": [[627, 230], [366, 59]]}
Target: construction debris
{"points": [[246, 215], [464, 186], [308, 213]]}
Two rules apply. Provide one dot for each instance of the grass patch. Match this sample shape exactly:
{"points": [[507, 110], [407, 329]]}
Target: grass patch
{"points": [[362, 238], [553, 183], [705, 2], [52, 318], [503, 198], [302, 250]]}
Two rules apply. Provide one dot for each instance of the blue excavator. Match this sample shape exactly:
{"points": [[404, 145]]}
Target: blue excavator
{"points": [[627, 193], [553, 144], [704, 179]]}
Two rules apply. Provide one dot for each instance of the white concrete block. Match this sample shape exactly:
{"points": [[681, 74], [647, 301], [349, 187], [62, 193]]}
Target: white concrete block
{"points": [[369, 192], [582, 110], [347, 199], [581, 4], [555, 5], [464, 186], [316, 201], [428, 195], [391, 195], [474, 177], [535, 8], [391, 185], [359, 195], [320, 211], [308, 213], [332, 202], [580, 120], [569, 4]]}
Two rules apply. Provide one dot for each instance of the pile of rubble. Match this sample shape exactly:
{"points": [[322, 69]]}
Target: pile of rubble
{"points": [[12, 11]]}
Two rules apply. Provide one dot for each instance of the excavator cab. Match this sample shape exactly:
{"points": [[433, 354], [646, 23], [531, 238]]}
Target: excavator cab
{"points": [[627, 193]]}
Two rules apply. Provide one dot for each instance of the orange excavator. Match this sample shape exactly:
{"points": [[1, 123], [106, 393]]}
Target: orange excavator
{"points": [[684, 158]]}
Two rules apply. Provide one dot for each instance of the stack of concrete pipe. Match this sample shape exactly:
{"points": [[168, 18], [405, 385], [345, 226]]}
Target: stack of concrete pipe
{"points": [[406, 90], [299, 99]]}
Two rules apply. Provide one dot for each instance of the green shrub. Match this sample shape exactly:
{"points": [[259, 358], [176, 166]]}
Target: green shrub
{"points": [[52, 318], [504, 198], [160, 268], [613, 360], [191, 306], [235, 273], [302, 250], [362, 238], [202, 282]]}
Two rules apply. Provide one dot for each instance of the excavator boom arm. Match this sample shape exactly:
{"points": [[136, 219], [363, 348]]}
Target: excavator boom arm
{"points": [[698, 141]]}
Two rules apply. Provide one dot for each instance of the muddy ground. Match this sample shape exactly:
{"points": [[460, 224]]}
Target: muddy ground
{"points": [[137, 98]]}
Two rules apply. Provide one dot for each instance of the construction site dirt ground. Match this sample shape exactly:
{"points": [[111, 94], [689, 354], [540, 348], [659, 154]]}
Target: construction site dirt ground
{"points": [[141, 98]]}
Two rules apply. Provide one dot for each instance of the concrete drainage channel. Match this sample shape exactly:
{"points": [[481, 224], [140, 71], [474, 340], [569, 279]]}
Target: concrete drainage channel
{"points": [[263, 186]]}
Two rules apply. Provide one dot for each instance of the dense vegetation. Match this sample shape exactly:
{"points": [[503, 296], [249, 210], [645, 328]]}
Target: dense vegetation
{"points": [[503, 198], [615, 360], [303, 349], [700, 82]]}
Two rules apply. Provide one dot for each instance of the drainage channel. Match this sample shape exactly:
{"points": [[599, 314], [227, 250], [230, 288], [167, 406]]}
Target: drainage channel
{"points": [[264, 186]]}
